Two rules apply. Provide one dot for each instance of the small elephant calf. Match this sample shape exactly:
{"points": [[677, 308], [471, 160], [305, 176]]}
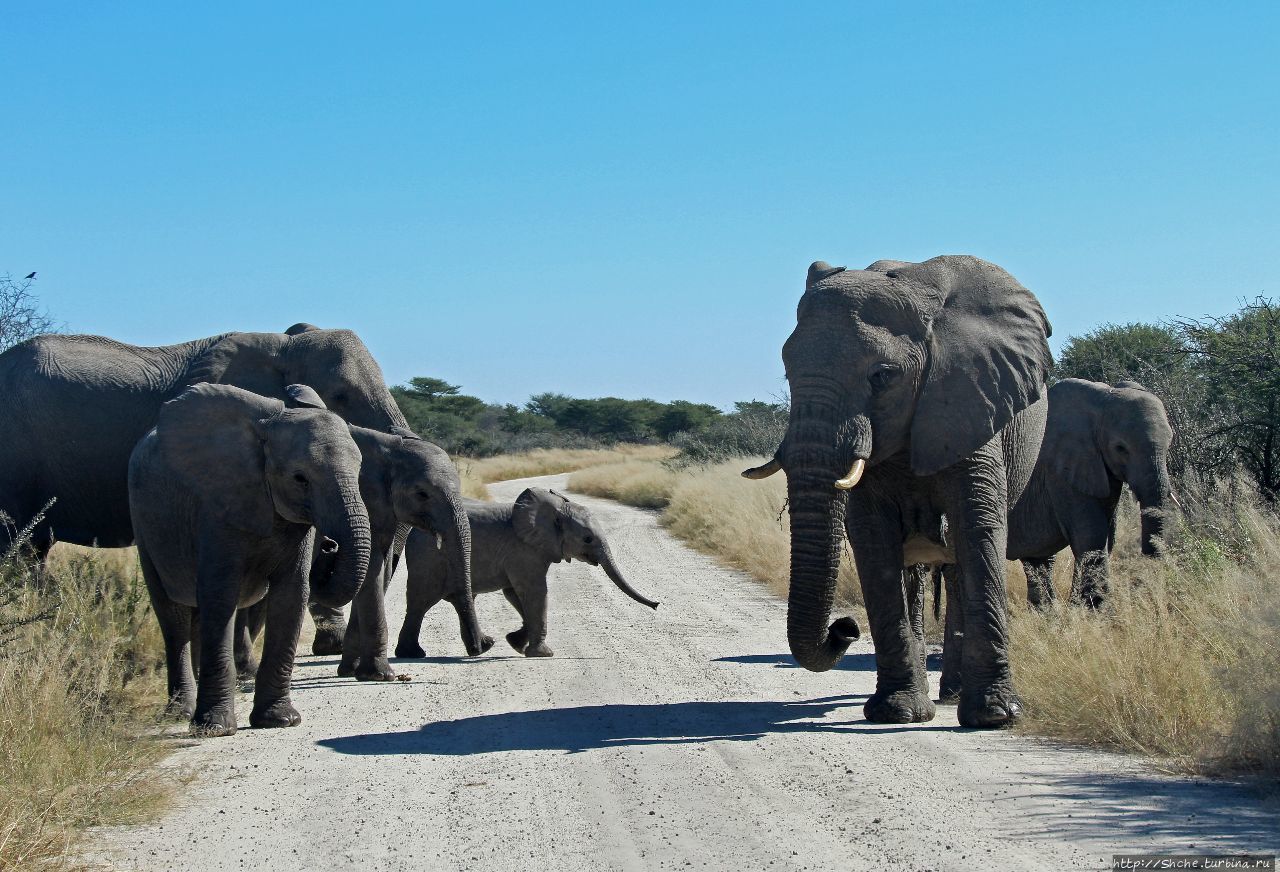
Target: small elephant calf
{"points": [[512, 548]]}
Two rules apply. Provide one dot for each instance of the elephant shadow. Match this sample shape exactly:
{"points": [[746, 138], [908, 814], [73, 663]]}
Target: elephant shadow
{"points": [[581, 728], [863, 662]]}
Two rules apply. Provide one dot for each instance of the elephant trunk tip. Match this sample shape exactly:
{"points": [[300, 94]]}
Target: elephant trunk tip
{"points": [[826, 654]]}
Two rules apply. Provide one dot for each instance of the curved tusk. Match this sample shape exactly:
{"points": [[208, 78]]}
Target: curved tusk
{"points": [[1176, 502], [854, 476], [758, 472], [439, 542]]}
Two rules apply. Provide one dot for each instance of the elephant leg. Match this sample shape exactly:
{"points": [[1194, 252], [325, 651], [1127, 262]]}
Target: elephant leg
{"points": [[286, 605], [175, 628], [874, 528], [1090, 536], [518, 638], [913, 583], [331, 627], [1039, 572], [977, 512], [953, 638], [533, 601], [407, 643], [218, 592], [248, 627], [366, 639], [460, 601]]}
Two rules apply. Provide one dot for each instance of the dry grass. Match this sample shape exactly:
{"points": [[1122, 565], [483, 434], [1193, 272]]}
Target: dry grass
{"points": [[547, 461], [1183, 664], [78, 694]]}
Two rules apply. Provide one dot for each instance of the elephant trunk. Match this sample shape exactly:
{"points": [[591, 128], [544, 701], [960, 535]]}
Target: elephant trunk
{"points": [[814, 460], [1155, 497], [343, 527], [611, 570], [457, 545]]}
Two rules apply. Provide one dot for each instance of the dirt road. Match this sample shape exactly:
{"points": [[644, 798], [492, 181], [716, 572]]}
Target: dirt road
{"points": [[681, 738]]}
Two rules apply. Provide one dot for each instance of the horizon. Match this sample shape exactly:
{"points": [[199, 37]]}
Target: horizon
{"points": [[624, 203]]}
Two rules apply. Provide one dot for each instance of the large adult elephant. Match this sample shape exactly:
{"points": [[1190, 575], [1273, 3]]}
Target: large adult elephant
{"points": [[916, 393], [75, 406]]}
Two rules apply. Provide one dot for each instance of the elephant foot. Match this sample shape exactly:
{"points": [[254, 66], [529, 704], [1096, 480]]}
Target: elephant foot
{"points": [[280, 713], [346, 666], [486, 642], [181, 708], [539, 650], [517, 639], [996, 707], [213, 723], [411, 650], [328, 638], [899, 707], [374, 669]]}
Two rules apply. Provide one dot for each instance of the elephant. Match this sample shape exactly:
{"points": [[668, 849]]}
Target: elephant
{"points": [[1098, 438], [77, 405], [916, 396], [404, 480], [513, 547], [224, 494]]}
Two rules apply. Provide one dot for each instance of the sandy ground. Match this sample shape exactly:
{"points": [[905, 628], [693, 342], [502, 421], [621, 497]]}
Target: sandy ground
{"points": [[681, 738]]}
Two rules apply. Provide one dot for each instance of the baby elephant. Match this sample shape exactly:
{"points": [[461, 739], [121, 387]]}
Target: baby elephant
{"points": [[224, 493], [512, 547]]}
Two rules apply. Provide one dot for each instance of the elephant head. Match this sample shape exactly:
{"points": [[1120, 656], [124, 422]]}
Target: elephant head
{"points": [[563, 530], [335, 363], [1099, 436], [250, 460], [923, 363]]}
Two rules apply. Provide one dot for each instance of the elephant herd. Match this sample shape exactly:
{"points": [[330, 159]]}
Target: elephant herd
{"points": [[258, 471]]}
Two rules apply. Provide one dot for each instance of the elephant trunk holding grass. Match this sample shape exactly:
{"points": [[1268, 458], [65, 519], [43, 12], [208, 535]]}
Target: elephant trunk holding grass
{"points": [[514, 546], [224, 494], [75, 407], [916, 393]]}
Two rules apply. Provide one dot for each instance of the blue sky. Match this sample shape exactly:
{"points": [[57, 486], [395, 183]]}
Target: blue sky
{"points": [[624, 201]]}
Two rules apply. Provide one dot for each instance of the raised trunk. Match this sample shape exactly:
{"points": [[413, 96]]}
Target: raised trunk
{"points": [[1153, 493], [343, 520], [611, 570]]}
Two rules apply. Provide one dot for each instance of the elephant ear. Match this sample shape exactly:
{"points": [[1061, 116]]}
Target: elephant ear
{"points": [[1070, 448], [303, 397], [537, 523], [211, 437], [253, 361], [988, 360]]}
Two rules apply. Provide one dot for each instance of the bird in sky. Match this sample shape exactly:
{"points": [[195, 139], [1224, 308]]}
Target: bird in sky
{"points": [[31, 275]]}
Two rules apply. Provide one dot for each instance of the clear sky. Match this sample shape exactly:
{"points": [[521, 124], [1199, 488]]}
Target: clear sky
{"points": [[622, 199]]}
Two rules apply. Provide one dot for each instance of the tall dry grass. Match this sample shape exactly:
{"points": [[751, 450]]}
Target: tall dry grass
{"points": [[1183, 664], [476, 473], [79, 692]]}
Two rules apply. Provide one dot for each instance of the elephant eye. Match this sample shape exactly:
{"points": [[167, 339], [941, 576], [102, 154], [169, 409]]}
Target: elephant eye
{"points": [[301, 479], [588, 539], [423, 495], [883, 375], [1121, 449]]}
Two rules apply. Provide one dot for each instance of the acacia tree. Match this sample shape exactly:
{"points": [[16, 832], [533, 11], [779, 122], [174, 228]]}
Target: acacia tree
{"points": [[20, 314], [1239, 358]]}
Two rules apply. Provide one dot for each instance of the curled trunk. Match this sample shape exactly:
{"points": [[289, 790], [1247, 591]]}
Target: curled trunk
{"points": [[344, 523], [611, 570]]}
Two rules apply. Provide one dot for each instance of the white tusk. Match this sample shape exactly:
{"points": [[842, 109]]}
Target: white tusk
{"points": [[854, 476], [758, 472], [439, 542]]}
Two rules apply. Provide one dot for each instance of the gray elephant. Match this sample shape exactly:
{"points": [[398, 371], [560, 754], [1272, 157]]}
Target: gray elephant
{"points": [[404, 480], [75, 406], [513, 547], [224, 493], [916, 394], [1098, 439]]}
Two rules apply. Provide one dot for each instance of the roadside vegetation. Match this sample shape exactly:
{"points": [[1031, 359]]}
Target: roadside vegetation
{"points": [[81, 684]]}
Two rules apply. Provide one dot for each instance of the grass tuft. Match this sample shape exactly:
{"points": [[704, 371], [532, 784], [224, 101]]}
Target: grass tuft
{"points": [[79, 691]]}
